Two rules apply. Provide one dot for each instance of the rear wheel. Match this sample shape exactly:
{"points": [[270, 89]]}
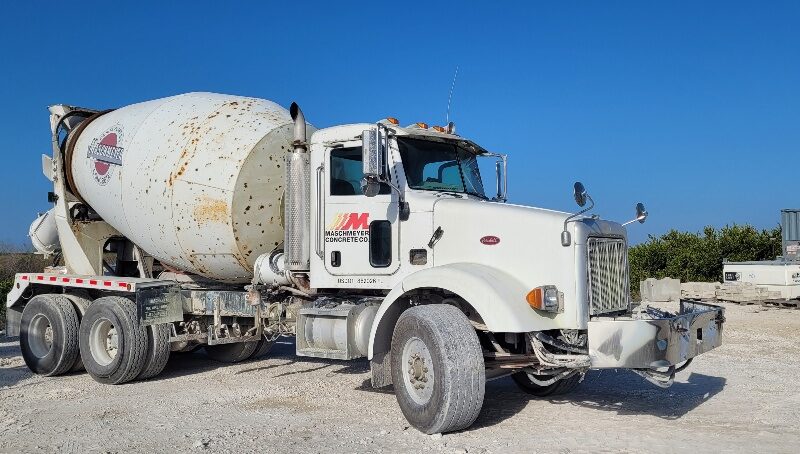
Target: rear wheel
{"points": [[563, 386], [113, 344], [81, 304], [231, 353], [158, 350], [49, 335], [437, 368]]}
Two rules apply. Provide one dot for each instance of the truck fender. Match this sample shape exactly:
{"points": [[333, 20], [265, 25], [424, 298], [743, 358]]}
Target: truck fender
{"points": [[498, 298]]}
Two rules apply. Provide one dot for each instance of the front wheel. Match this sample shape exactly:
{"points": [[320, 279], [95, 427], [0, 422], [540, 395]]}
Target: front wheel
{"points": [[563, 386], [231, 353], [437, 368]]}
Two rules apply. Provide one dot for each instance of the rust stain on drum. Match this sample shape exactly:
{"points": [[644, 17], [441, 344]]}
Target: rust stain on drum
{"points": [[211, 210]]}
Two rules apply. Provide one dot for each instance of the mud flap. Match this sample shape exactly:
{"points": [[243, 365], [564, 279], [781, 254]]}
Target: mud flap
{"points": [[158, 304]]}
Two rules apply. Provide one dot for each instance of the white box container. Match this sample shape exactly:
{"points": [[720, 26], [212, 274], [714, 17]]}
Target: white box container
{"points": [[783, 277]]}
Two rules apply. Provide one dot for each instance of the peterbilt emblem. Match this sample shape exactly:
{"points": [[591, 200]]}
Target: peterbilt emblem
{"points": [[105, 152], [490, 240]]}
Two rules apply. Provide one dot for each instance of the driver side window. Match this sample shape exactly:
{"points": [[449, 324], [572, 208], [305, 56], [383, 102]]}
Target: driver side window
{"points": [[346, 171]]}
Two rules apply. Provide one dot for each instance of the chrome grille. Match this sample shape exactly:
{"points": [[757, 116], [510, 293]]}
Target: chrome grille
{"points": [[608, 275]]}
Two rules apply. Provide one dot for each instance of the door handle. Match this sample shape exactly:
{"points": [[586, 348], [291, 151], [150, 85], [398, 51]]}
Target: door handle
{"points": [[320, 211]]}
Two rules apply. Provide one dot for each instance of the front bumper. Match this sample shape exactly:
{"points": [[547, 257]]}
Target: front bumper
{"points": [[654, 339]]}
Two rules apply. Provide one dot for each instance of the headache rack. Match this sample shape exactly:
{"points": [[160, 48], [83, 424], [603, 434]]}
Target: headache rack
{"points": [[607, 269]]}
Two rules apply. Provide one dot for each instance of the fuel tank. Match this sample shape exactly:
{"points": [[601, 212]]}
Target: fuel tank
{"points": [[195, 180]]}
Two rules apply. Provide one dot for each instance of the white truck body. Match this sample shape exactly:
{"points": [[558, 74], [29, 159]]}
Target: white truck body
{"points": [[232, 221]]}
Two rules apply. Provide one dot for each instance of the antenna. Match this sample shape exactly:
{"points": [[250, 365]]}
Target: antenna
{"points": [[450, 98]]}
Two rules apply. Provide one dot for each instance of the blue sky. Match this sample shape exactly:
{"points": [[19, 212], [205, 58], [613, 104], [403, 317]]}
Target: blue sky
{"points": [[690, 107]]}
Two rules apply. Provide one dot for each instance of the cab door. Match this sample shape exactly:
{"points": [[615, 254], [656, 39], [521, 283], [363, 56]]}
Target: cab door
{"points": [[361, 234]]}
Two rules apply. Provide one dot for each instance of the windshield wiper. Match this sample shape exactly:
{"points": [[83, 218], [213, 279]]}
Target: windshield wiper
{"points": [[480, 196], [452, 193]]}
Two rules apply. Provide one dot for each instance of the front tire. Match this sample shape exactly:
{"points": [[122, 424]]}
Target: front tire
{"points": [[563, 386], [263, 347], [231, 353], [437, 368], [49, 335], [113, 344]]}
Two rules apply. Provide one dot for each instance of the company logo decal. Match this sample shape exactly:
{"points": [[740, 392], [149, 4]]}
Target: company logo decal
{"points": [[104, 154], [490, 240], [348, 228], [350, 221]]}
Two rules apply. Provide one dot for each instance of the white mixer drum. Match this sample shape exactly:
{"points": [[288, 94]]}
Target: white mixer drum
{"points": [[195, 180]]}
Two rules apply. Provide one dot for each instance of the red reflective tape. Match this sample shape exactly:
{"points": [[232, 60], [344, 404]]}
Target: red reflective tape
{"points": [[39, 278], [53, 278], [123, 284], [79, 281], [64, 279], [24, 278], [92, 282], [107, 283]]}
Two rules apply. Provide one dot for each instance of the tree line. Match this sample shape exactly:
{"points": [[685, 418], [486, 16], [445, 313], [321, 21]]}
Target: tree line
{"points": [[697, 257]]}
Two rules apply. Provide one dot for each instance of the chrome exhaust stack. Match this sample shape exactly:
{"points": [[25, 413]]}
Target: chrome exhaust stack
{"points": [[297, 218]]}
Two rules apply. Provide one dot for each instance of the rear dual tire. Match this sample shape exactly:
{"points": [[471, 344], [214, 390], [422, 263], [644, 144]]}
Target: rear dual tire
{"points": [[115, 349], [49, 335], [158, 351]]}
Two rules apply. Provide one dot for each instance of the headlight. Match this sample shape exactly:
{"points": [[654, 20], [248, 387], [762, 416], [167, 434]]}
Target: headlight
{"points": [[546, 298]]}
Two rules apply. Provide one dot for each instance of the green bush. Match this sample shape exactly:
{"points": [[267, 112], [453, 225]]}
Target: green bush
{"points": [[15, 260], [697, 257], [5, 287]]}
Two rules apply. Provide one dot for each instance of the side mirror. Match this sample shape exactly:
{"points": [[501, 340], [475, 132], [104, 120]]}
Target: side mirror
{"points": [[370, 186], [372, 154], [373, 162], [500, 173], [580, 194], [641, 213]]}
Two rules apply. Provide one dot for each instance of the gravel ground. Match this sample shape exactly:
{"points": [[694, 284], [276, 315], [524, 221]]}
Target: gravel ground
{"points": [[740, 397]]}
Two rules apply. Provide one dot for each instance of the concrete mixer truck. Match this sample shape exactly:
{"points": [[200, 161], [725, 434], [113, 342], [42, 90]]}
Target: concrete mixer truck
{"points": [[225, 222]]}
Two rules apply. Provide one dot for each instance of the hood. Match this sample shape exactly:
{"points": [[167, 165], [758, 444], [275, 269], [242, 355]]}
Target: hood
{"points": [[523, 242]]}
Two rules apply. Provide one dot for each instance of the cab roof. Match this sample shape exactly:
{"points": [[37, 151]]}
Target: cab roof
{"points": [[351, 132]]}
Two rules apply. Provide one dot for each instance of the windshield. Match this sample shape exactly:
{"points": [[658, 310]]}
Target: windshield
{"points": [[437, 166]]}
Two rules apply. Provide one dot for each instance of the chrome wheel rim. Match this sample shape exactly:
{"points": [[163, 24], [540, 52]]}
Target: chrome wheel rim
{"points": [[103, 341], [418, 375], [40, 336]]}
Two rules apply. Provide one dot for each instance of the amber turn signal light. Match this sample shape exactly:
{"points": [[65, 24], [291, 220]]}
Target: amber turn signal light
{"points": [[535, 299]]}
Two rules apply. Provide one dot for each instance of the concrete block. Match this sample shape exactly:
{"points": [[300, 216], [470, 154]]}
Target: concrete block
{"points": [[658, 290], [702, 290]]}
